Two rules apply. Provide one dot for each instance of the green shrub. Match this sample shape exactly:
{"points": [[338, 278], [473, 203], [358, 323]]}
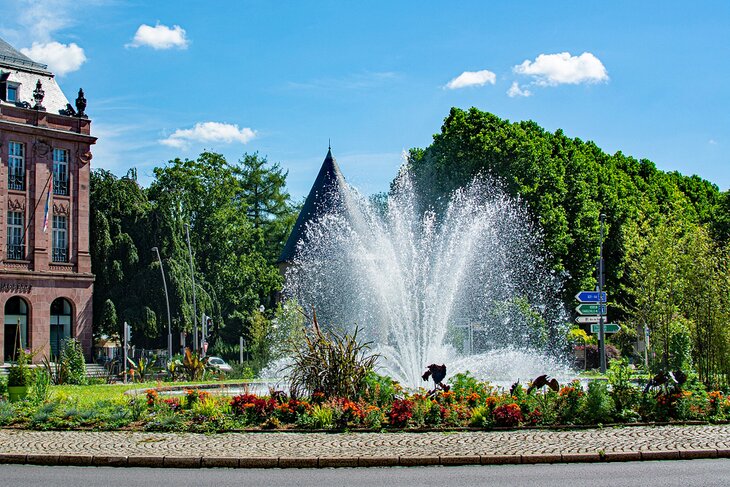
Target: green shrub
{"points": [[625, 395], [323, 417], [374, 418], [166, 421], [242, 371], [41, 389], [481, 417], [20, 373], [598, 406], [680, 346], [570, 403], [379, 390], [464, 385], [7, 413], [73, 358]]}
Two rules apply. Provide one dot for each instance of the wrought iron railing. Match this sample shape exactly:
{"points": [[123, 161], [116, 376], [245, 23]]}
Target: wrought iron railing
{"points": [[16, 182], [60, 187], [60, 255], [16, 251]]}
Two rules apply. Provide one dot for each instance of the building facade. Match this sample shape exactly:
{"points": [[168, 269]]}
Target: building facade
{"points": [[46, 282]]}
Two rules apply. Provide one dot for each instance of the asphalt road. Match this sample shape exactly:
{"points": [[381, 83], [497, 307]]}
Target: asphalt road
{"points": [[680, 473]]}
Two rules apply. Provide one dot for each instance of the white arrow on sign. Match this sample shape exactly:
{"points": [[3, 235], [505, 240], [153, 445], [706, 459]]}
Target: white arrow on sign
{"points": [[588, 319]]}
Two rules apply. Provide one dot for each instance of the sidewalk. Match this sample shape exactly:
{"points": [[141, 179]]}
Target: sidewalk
{"points": [[275, 449]]}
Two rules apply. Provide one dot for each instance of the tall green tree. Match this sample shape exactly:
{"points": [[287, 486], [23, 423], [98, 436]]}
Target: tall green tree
{"points": [[209, 194], [263, 189]]}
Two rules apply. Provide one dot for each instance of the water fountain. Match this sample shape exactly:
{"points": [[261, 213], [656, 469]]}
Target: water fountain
{"points": [[469, 287]]}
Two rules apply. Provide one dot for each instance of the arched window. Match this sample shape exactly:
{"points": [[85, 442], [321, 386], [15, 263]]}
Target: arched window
{"points": [[60, 324], [16, 327]]}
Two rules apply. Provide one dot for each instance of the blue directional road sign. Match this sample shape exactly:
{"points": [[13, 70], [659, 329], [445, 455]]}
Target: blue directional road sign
{"points": [[590, 297]]}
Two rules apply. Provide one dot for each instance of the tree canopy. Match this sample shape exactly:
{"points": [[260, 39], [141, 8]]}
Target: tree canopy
{"points": [[237, 216], [567, 183]]}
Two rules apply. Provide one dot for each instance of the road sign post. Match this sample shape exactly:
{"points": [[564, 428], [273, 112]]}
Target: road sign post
{"points": [[602, 311], [583, 320]]}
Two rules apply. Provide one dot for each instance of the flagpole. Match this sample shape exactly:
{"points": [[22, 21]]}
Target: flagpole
{"points": [[32, 215]]}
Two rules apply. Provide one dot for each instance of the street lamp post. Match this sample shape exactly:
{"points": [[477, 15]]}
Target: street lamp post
{"points": [[192, 276], [601, 332], [167, 301]]}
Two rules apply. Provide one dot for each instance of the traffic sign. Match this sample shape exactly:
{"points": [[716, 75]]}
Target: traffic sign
{"points": [[590, 309], [590, 297], [587, 319], [607, 328]]}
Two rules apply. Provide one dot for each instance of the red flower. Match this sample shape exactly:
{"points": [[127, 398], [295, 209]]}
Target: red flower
{"points": [[400, 412], [509, 415]]}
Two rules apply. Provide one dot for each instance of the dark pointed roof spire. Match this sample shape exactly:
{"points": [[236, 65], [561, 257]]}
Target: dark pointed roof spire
{"points": [[326, 192]]}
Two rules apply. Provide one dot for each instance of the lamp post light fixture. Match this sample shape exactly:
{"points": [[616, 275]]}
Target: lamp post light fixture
{"points": [[167, 301], [192, 276]]}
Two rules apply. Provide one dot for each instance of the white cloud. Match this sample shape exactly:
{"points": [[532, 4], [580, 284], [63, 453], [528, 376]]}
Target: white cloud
{"points": [[159, 37], [562, 68], [712, 142], [472, 78], [60, 58], [209, 132], [42, 18], [515, 90]]}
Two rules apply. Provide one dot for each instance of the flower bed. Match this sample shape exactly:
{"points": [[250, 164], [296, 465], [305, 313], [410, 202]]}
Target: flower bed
{"points": [[380, 405]]}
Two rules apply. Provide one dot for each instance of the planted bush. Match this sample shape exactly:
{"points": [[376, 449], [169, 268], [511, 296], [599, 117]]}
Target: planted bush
{"points": [[331, 363], [400, 413], [72, 356], [509, 415], [598, 406]]}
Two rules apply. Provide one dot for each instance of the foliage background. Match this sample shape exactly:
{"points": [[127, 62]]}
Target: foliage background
{"points": [[666, 247]]}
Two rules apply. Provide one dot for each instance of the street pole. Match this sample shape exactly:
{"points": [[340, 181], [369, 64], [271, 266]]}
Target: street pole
{"points": [[601, 334], [167, 301], [192, 276], [125, 333]]}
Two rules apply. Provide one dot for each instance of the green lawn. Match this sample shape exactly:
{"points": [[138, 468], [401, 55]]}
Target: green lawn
{"points": [[87, 395]]}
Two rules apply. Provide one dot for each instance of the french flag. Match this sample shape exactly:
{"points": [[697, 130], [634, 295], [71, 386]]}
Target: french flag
{"points": [[48, 204]]}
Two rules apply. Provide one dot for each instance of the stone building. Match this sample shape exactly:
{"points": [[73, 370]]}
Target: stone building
{"points": [[46, 282]]}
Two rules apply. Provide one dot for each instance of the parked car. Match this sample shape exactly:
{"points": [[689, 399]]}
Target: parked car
{"points": [[219, 364]]}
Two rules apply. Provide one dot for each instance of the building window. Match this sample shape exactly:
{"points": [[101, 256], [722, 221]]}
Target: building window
{"points": [[16, 248], [12, 94], [16, 166], [60, 172], [60, 325], [16, 327], [60, 239]]}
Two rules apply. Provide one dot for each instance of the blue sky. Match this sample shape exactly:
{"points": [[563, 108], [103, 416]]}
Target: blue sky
{"points": [[169, 79]]}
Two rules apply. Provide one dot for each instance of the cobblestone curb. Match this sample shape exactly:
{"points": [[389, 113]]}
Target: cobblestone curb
{"points": [[328, 462], [327, 450]]}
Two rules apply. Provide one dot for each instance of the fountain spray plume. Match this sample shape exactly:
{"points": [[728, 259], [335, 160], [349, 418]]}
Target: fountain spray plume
{"points": [[468, 286]]}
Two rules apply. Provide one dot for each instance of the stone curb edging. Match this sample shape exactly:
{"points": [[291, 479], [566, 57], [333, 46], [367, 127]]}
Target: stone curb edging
{"points": [[334, 462]]}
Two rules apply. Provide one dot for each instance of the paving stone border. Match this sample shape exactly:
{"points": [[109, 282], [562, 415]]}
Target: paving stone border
{"points": [[328, 450]]}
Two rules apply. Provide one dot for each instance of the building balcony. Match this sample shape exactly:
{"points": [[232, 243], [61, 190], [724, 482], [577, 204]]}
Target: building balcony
{"points": [[16, 182], [16, 252], [60, 187], [59, 255]]}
